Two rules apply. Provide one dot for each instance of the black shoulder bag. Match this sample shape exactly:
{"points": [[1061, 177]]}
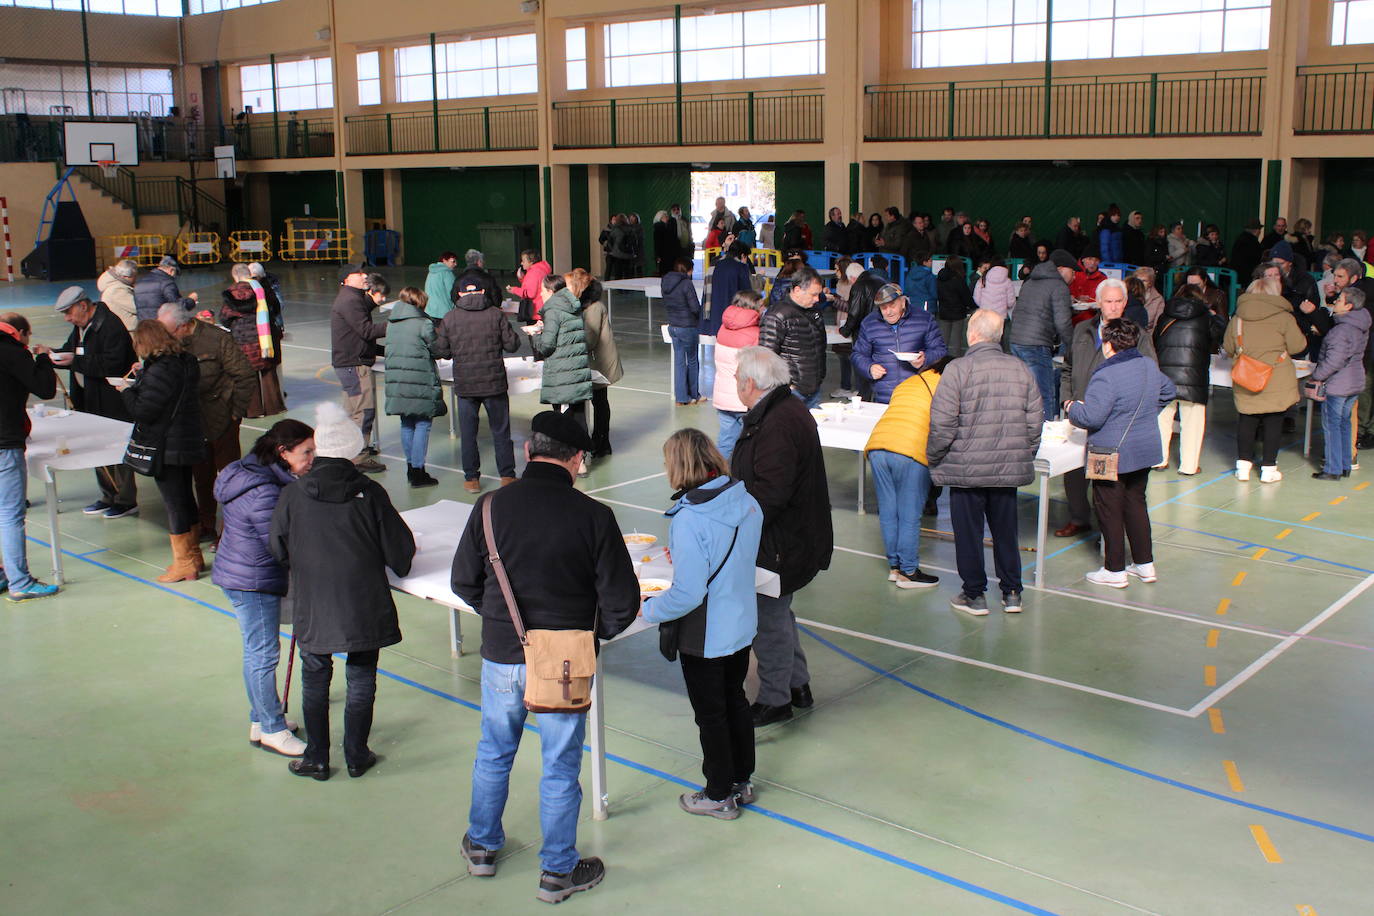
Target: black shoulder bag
{"points": [[146, 457], [691, 625]]}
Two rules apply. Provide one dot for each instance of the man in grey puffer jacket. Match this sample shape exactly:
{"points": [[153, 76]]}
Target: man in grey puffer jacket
{"points": [[1042, 320], [985, 423]]}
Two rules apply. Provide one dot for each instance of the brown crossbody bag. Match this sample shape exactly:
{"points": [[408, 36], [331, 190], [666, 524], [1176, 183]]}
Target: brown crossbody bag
{"points": [[559, 664], [1248, 372]]}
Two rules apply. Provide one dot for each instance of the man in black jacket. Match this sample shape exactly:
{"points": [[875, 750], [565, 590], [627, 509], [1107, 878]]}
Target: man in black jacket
{"points": [[795, 330], [476, 273], [778, 456], [1246, 253], [568, 570], [20, 376], [157, 287], [1133, 239], [99, 348], [353, 339]]}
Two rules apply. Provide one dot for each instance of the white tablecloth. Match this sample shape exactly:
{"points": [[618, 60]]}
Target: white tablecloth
{"points": [[1221, 369], [523, 373], [89, 441]]}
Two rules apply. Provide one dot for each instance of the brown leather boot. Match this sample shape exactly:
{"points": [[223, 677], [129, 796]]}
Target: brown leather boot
{"points": [[183, 568]]}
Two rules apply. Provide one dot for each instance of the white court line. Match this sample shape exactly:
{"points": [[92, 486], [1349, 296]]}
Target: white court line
{"points": [[1260, 663], [304, 347], [626, 483], [619, 387], [1015, 672]]}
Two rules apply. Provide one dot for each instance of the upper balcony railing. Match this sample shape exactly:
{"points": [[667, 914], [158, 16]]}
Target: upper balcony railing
{"points": [[781, 116], [1214, 103], [449, 130], [25, 138], [1335, 99]]}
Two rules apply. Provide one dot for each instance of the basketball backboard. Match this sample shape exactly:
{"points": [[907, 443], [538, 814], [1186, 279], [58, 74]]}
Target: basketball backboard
{"points": [[92, 142]]}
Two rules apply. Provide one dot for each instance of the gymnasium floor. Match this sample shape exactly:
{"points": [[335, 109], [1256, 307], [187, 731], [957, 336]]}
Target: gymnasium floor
{"points": [[1200, 745]]}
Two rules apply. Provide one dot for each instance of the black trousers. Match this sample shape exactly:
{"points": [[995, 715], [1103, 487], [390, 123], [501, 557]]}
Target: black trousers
{"points": [[969, 509], [601, 421], [175, 483], [1270, 425], [316, 673], [715, 687], [1122, 514]]}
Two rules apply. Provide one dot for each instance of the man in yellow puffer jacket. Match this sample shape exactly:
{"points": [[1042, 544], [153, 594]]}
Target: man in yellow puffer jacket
{"points": [[897, 453]]}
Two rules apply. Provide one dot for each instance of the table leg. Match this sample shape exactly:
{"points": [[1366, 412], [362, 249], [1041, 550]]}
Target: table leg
{"points": [[672, 373], [453, 411], [455, 633], [1042, 523], [649, 307], [596, 731], [53, 535], [1307, 431], [863, 479], [376, 417]]}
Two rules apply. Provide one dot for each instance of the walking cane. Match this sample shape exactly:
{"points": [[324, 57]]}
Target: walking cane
{"points": [[290, 662]]}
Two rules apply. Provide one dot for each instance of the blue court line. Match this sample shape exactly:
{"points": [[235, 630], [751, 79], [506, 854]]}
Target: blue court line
{"points": [[1279, 521], [1243, 544], [89, 553], [821, 832], [1097, 758]]}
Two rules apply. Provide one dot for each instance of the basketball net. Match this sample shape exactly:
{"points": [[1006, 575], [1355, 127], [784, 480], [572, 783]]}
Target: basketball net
{"points": [[109, 166]]}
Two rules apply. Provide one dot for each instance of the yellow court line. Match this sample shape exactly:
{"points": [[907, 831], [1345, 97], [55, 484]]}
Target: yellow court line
{"points": [[1222, 605], [1233, 776], [1283, 534], [1214, 716], [1240, 577], [1266, 847], [1306, 909], [1212, 637], [1309, 516], [1209, 675], [1259, 553], [1337, 501], [1360, 487]]}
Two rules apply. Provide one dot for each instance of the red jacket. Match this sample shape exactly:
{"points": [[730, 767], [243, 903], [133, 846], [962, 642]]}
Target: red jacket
{"points": [[532, 285], [1084, 285]]}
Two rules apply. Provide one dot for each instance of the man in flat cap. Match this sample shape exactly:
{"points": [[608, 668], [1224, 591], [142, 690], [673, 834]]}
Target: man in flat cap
{"points": [[353, 340], [568, 570], [99, 347]]}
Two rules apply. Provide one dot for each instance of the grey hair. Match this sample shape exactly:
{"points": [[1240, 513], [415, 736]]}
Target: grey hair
{"points": [[543, 446], [175, 310], [257, 269], [1143, 271], [660, 216], [472, 257], [1351, 266], [986, 325], [1110, 283], [1354, 296], [804, 277], [240, 272], [764, 368], [125, 269]]}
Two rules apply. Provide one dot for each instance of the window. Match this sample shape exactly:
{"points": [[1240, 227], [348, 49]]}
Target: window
{"points": [[301, 85], [1352, 22], [789, 41], [468, 69], [214, 6], [117, 92], [369, 78], [575, 48], [130, 7], [953, 33]]}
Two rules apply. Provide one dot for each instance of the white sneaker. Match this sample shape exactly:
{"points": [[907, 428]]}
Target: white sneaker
{"points": [[1270, 473], [255, 731], [284, 743], [1145, 572], [1103, 576], [1243, 470], [892, 575], [842, 393]]}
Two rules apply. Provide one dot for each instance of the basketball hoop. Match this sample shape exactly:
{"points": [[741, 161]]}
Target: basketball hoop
{"points": [[109, 166]]}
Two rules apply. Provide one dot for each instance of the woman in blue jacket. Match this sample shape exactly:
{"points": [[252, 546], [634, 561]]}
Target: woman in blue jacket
{"points": [[712, 612], [252, 580], [894, 328], [683, 306], [1120, 410]]}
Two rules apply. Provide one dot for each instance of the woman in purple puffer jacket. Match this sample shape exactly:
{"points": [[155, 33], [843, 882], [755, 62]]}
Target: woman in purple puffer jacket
{"points": [[251, 578]]}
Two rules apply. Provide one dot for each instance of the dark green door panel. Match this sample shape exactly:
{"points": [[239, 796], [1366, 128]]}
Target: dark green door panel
{"points": [[290, 194], [442, 207], [1347, 197]]}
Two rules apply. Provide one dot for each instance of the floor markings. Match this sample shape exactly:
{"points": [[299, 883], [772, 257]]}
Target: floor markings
{"points": [[1337, 501], [1266, 846], [1240, 577], [1233, 776], [1214, 716], [1209, 675], [1361, 487], [1212, 637], [1223, 605], [1259, 553], [1306, 910], [1283, 534], [1309, 516]]}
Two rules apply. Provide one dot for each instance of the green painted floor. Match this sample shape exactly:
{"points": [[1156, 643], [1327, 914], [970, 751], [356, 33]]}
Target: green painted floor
{"points": [[1107, 752]]}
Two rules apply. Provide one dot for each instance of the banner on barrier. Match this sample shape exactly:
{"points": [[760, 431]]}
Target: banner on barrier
{"points": [[251, 245], [200, 247], [125, 251]]}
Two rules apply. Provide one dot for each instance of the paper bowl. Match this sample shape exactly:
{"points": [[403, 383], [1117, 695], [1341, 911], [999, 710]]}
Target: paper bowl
{"points": [[832, 408], [650, 587], [639, 542], [905, 357]]}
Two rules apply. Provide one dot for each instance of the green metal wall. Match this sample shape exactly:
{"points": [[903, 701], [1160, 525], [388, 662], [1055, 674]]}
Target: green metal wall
{"points": [[289, 195], [374, 194], [442, 207], [579, 211], [1226, 193], [1347, 196]]}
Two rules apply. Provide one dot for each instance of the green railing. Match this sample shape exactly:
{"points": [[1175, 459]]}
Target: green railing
{"points": [[38, 139], [157, 194], [787, 116], [1128, 105], [455, 130], [1336, 99]]}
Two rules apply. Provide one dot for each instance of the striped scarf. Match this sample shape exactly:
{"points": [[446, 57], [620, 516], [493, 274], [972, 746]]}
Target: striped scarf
{"points": [[264, 321]]}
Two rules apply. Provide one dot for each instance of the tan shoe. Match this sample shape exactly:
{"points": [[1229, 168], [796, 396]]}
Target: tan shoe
{"points": [[507, 481], [472, 486], [183, 568]]}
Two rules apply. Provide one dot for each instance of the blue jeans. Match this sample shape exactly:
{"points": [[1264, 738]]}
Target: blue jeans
{"points": [[686, 385], [812, 400], [259, 617], [498, 418], [1336, 426], [708, 366], [731, 424], [1037, 359], [902, 484], [14, 478], [415, 439], [560, 794]]}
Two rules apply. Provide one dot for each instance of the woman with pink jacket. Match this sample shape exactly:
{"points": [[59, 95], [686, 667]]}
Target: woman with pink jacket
{"points": [[995, 291], [739, 328], [532, 272]]}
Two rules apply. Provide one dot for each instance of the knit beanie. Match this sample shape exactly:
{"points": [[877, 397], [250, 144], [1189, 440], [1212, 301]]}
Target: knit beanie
{"points": [[336, 435]]}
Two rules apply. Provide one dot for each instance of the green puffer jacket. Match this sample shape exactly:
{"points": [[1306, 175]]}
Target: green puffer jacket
{"points": [[412, 379], [563, 347]]}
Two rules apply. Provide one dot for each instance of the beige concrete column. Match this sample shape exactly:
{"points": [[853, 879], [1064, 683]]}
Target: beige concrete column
{"points": [[559, 194], [352, 206], [599, 212], [395, 216]]}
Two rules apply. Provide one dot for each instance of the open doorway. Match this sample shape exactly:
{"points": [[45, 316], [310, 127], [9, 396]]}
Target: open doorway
{"points": [[755, 190]]}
